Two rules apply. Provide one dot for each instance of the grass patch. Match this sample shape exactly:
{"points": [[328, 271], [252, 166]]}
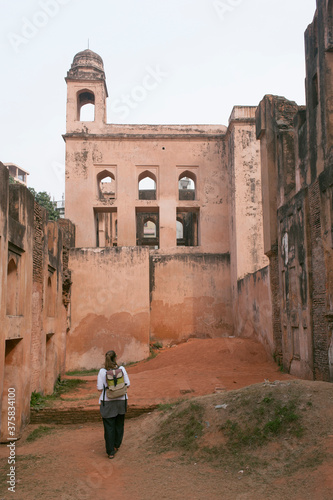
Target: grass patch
{"points": [[269, 420], [157, 345], [83, 373], [39, 401], [169, 406], [255, 429], [40, 432], [182, 428]]}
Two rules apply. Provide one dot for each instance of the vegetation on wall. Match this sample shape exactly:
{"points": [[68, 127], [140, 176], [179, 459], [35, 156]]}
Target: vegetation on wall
{"points": [[45, 201]]}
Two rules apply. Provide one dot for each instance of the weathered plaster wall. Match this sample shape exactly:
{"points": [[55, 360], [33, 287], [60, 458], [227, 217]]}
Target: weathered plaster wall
{"points": [[295, 285], [4, 191], [32, 316], [49, 321], [296, 154], [250, 316], [124, 297], [166, 156], [17, 315], [190, 295], [254, 308], [110, 305], [245, 193]]}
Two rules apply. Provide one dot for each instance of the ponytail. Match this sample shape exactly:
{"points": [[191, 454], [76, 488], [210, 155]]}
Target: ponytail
{"points": [[110, 360]]}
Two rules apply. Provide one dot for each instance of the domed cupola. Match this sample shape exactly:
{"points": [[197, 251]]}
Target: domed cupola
{"points": [[87, 65]]}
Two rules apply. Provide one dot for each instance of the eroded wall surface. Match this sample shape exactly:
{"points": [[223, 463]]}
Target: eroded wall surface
{"points": [[254, 308], [32, 314], [296, 159], [190, 296], [109, 304]]}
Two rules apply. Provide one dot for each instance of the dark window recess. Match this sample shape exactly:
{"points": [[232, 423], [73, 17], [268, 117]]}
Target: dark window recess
{"points": [[147, 229], [187, 229]]}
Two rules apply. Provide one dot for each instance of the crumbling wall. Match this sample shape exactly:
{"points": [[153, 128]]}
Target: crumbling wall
{"points": [[32, 315], [254, 308], [126, 296], [190, 295], [110, 305], [250, 284], [296, 145]]}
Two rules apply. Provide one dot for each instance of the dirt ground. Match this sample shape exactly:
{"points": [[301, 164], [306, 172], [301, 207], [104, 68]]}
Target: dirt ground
{"points": [[71, 463]]}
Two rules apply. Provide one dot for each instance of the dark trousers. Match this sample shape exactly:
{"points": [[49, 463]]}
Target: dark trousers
{"points": [[113, 432]]}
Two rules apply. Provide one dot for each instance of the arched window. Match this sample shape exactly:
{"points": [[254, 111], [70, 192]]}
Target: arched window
{"points": [[149, 229], [106, 185], [12, 288], [147, 186], [86, 106], [180, 230], [187, 186]]}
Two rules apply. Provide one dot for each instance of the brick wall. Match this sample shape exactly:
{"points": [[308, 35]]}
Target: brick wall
{"points": [[320, 338], [276, 303], [37, 337]]}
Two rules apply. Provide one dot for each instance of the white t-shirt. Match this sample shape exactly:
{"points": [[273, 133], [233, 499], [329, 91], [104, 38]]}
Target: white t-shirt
{"points": [[101, 383]]}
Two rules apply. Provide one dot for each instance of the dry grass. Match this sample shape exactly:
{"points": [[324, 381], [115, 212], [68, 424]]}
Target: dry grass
{"points": [[271, 428]]}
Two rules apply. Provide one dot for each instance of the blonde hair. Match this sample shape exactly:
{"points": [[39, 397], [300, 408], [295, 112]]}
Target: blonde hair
{"points": [[110, 360]]}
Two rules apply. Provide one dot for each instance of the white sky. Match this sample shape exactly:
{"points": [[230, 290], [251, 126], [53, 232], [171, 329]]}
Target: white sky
{"points": [[210, 55]]}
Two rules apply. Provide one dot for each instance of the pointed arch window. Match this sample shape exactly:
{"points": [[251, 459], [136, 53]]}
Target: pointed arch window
{"points": [[147, 186], [187, 186], [149, 228], [86, 106], [106, 184]]}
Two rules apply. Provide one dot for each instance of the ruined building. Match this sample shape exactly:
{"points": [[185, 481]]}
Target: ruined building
{"points": [[297, 168], [129, 190], [34, 298], [180, 231]]}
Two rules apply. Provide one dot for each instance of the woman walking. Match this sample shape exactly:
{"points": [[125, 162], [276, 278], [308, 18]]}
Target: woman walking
{"points": [[112, 410]]}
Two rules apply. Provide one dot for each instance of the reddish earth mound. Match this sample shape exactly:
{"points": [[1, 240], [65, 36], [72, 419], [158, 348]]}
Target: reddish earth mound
{"points": [[200, 367], [194, 368]]}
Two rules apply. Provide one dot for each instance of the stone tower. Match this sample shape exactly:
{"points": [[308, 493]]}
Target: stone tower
{"points": [[85, 85]]}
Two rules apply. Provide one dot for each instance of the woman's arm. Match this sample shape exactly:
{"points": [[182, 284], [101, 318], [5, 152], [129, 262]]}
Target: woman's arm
{"points": [[101, 379]]}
